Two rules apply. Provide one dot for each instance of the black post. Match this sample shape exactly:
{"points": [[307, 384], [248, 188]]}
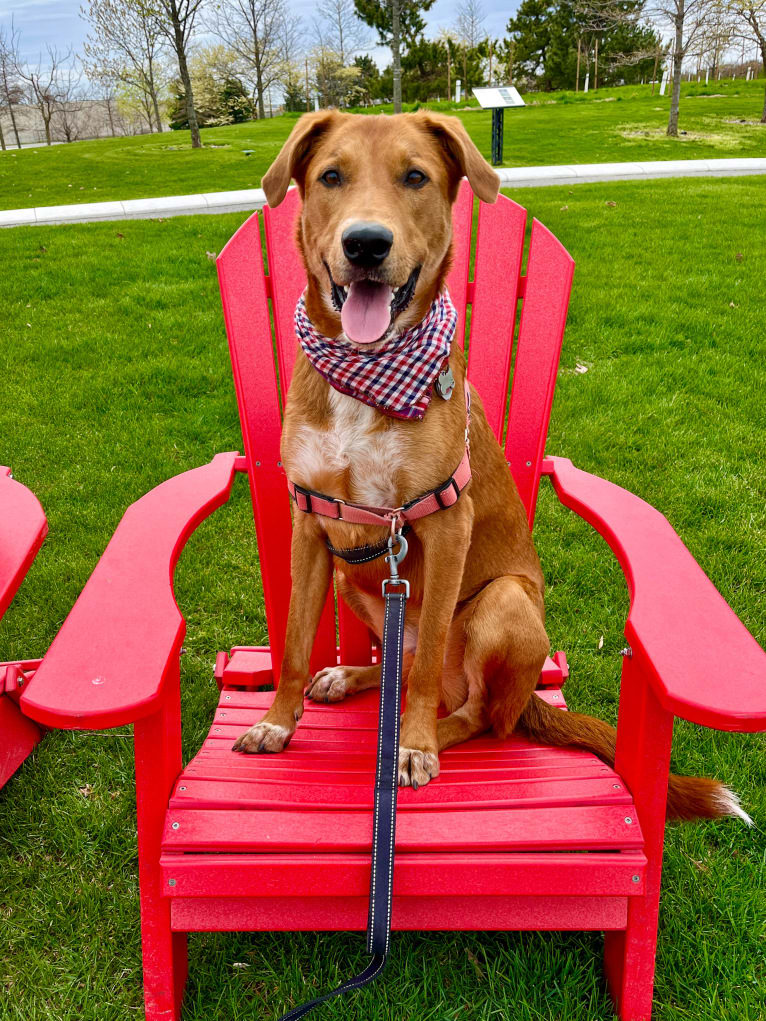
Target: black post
{"points": [[497, 136]]}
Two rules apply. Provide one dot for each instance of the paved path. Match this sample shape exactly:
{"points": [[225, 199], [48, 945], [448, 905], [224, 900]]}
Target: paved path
{"points": [[253, 198]]}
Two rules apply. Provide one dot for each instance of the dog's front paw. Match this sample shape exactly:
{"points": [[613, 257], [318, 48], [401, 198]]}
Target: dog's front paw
{"points": [[263, 737], [330, 685], [417, 767]]}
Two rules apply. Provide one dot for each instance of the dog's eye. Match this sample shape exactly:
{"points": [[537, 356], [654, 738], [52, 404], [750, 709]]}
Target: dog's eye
{"points": [[415, 179], [330, 178]]}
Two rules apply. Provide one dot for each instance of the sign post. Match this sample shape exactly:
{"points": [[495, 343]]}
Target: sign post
{"points": [[497, 100]]}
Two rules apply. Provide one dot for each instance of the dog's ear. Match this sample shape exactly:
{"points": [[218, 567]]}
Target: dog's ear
{"points": [[293, 154], [464, 155]]}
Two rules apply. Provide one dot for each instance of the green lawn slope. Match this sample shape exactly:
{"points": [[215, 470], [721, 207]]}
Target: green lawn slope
{"points": [[625, 123]]}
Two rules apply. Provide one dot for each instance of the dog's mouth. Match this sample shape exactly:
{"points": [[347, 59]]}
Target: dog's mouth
{"points": [[368, 307]]}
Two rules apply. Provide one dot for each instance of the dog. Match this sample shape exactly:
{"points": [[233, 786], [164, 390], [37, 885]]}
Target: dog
{"points": [[375, 234]]}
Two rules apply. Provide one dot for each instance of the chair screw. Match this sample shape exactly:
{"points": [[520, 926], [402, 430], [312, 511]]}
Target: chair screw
{"points": [[176, 826], [628, 820], [171, 882], [529, 464], [227, 697], [627, 652], [182, 788], [615, 785], [636, 879], [257, 464]]}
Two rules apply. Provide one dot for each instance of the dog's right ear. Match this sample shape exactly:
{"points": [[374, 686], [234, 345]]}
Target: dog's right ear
{"points": [[293, 154]]}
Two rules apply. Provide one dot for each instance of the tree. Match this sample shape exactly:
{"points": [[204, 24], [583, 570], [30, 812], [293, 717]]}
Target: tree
{"points": [[220, 97], [687, 19], [175, 18], [293, 67], [395, 21], [336, 84], [67, 122], [255, 31], [340, 29], [369, 78], [41, 82], [126, 45], [11, 87], [469, 29], [550, 41], [751, 15]]}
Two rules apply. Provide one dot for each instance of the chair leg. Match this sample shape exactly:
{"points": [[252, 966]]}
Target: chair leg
{"points": [[158, 763], [644, 737]]}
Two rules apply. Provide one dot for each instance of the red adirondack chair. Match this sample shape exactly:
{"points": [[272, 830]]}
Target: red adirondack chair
{"points": [[511, 835], [22, 530]]}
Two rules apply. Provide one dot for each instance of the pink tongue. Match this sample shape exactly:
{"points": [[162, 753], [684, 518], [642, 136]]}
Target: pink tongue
{"points": [[366, 312]]}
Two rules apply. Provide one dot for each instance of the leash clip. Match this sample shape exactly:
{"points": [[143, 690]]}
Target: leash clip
{"points": [[393, 560]]}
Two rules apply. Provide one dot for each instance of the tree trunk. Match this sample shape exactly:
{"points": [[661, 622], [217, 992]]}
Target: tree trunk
{"points": [[15, 128], [10, 109], [577, 76], [656, 63], [153, 95], [2, 139], [763, 55], [449, 73], [109, 115], [678, 58], [47, 130], [396, 54], [595, 69], [259, 86], [183, 68]]}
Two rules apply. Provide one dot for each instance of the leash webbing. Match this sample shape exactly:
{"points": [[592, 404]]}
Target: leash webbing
{"points": [[386, 785]]}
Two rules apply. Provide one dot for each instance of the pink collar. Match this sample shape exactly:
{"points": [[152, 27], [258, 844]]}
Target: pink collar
{"points": [[396, 379]]}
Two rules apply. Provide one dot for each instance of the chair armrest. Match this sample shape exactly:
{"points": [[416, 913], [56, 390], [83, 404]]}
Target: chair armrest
{"points": [[22, 530], [702, 662], [108, 663]]}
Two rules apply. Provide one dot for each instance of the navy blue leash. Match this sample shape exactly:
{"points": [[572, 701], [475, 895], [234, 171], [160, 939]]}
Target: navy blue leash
{"points": [[395, 593]]}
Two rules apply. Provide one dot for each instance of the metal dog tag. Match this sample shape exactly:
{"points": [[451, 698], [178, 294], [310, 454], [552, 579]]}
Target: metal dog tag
{"points": [[445, 384]]}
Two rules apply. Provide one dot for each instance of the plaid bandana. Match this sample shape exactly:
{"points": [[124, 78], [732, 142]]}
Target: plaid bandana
{"points": [[397, 379]]}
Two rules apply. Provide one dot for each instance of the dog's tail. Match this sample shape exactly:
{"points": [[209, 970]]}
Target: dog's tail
{"points": [[689, 797]]}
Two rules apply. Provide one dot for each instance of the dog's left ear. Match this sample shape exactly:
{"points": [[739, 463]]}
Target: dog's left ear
{"points": [[460, 148], [293, 155]]}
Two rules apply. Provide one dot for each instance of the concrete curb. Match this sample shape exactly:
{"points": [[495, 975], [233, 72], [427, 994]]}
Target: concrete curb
{"points": [[253, 198]]}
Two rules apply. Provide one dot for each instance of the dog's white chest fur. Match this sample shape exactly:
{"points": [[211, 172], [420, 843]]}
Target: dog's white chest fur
{"points": [[350, 442]]}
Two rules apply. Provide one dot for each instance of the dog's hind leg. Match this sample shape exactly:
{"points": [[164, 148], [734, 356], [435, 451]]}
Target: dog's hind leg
{"points": [[505, 650]]}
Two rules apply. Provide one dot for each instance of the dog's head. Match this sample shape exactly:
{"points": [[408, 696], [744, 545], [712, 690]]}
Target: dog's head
{"points": [[376, 225]]}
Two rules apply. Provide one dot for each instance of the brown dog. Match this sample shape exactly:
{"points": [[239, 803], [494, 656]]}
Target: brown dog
{"points": [[475, 633]]}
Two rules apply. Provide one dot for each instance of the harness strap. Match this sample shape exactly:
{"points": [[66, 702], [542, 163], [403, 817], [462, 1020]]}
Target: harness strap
{"points": [[395, 592], [363, 554]]}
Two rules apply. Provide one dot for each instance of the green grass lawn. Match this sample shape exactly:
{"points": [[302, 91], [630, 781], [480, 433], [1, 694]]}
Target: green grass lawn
{"points": [[611, 125], [115, 375]]}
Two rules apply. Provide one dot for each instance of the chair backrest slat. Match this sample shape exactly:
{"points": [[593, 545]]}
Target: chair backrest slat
{"points": [[246, 313], [541, 330], [287, 278], [499, 248], [457, 278], [253, 301]]}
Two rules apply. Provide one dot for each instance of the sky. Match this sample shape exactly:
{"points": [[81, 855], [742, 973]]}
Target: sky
{"points": [[57, 22]]}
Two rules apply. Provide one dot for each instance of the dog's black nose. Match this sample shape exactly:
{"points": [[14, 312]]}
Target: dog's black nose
{"points": [[367, 244]]}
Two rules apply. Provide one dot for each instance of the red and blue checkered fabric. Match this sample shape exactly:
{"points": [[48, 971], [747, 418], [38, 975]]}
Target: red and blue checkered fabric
{"points": [[396, 379]]}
